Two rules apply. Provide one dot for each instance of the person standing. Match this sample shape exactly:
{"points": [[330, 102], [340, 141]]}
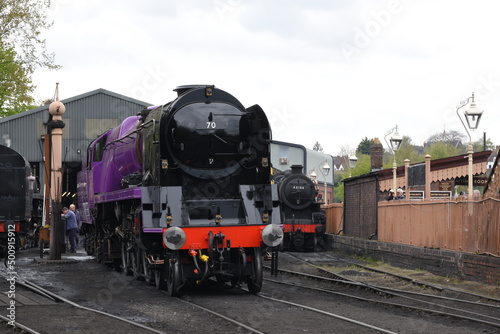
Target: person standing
{"points": [[73, 208], [391, 195], [71, 228], [399, 194]]}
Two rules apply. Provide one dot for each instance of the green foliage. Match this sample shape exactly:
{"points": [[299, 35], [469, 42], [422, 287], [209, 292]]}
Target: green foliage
{"points": [[478, 146], [15, 85], [365, 146], [441, 150], [362, 167], [21, 26], [22, 51], [338, 193]]}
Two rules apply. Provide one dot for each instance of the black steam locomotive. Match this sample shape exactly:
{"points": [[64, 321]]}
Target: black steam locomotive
{"points": [[303, 220], [20, 206], [182, 192]]}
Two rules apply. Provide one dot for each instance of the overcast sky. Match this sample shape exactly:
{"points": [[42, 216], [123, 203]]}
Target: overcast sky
{"points": [[328, 71]]}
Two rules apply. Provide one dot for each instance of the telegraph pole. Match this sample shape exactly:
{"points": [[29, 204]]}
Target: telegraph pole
{"points": [[56, 110]]}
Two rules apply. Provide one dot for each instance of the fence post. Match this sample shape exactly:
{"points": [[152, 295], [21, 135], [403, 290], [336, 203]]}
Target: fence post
{"points": [[428, 178], [407, 186]]}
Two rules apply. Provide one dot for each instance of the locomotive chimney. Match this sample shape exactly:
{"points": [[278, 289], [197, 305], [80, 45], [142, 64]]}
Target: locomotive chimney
{"points": [[376, 155], [296, 169]]}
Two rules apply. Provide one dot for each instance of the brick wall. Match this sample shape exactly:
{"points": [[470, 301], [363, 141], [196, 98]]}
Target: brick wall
{"points": [[467, 266]]}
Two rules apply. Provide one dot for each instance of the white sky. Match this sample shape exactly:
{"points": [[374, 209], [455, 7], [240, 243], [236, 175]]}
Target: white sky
{"points": [[328, 71]]}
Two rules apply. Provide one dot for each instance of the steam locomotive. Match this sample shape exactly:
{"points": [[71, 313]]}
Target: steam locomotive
{"points": [[20, 204], [304, 222], [182, 192]]}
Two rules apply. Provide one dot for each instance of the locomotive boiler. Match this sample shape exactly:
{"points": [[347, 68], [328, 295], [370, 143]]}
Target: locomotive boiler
{"points": [[182, 192], [303, 220]]}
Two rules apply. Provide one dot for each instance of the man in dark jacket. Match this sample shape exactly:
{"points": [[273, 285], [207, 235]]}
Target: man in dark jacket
{"points": [[71, 228]]}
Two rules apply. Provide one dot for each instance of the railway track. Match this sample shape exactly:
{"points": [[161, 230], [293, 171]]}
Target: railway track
{"points": [[266, 317], [429, 298], [93, 319], [304, 299], [267, 314]]}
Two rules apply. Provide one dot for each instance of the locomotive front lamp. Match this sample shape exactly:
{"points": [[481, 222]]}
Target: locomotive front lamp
{"points": [[209, 91], [272, 235], [174, 237], [472, 116]]}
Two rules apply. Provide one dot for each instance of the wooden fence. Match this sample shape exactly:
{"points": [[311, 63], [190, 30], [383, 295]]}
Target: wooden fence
{"points": [[334, 218], [461, 226]]}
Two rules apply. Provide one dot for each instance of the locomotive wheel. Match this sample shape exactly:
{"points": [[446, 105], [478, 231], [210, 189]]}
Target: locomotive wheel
{"points": [[125, 260], [148, 273], [316, 247], [161, 277], [137, 264], [173, 274], [254, 282], [41, 249]]}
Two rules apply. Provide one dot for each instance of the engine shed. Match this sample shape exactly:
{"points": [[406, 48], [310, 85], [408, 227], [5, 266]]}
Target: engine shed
{"points": [[87, 115]]}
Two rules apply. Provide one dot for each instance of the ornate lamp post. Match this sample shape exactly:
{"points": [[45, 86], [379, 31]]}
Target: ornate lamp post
{"points": [[472, 115], [353, 160], [395, 141], [325, 170]]}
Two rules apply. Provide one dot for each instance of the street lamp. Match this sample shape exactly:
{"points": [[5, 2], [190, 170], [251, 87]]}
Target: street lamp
{"points": [[472, 115], [395, 141], [353, 159], [325, 170]]}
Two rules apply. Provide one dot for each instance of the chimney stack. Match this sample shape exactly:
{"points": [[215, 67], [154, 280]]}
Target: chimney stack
{"points": [[376, 155]]}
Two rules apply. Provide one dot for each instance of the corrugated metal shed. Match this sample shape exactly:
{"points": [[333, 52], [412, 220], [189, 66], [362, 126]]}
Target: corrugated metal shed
{"points": [[86, 116]]}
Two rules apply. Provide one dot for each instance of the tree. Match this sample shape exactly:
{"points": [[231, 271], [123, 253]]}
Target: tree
{"points": [[452, 137], [21, 25], [365, 146], [15, 85], [22, 51], [479, 145], [441, 150], [317, 147], [363, 166]]}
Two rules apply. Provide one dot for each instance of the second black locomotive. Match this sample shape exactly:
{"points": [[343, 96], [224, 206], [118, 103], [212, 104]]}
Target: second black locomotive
{"points": [[302, 217], [20, 205]]}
